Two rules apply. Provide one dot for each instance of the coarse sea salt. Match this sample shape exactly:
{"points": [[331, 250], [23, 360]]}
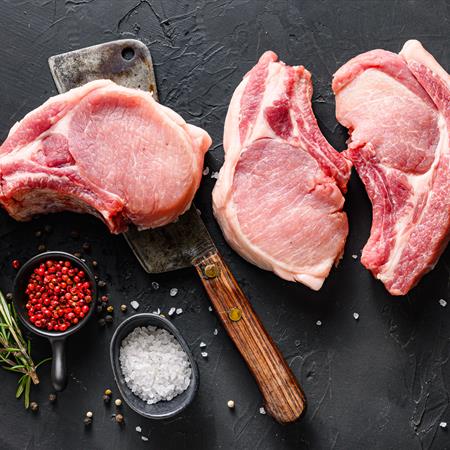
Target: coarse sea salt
{"points": [[154, 365], [442, 302], [173, 292], [134, 304]]}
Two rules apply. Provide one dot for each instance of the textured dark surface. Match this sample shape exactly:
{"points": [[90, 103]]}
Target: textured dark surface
{"points": [[381, 382]]}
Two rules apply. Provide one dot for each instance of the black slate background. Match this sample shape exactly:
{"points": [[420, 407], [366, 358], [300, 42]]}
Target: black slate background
{"points": [[381, 382]]}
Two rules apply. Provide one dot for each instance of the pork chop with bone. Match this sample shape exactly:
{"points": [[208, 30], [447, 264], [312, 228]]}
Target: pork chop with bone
{"points": [[396, 107], [102, 149], [279, 195]]}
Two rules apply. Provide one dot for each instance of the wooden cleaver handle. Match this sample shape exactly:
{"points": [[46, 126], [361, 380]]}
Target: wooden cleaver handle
{"points": [[284, 399]]}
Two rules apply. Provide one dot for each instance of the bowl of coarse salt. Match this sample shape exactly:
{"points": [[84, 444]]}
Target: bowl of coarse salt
{"points": [[153, 366]]}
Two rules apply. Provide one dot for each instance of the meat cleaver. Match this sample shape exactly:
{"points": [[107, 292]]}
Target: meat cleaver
{"points": [[187, 242]]}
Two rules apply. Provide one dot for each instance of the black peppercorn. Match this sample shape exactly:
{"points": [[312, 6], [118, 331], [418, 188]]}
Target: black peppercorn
{"points": [[38, 233], [94, 263], [48, 228], [119, 418], [52, 398], [86, 246], [101, 322], [101, 284], [41, 248], [109, 319], [77, 254], [99, 309], [34, 406], [74, 234], [9, 296]]}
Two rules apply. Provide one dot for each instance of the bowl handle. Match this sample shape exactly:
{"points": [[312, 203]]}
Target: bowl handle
{"points": [[59, 373]]}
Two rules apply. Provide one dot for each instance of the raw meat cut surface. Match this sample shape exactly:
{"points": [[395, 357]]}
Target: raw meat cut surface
{"points": [[396, 108], [106, 150], [278, 198]]}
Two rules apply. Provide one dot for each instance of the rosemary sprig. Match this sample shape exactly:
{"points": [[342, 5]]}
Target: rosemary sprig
{"points": [[15, 350]]}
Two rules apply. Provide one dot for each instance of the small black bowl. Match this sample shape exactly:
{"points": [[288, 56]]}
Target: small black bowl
{"points": [[56, 338], [162, 409]]}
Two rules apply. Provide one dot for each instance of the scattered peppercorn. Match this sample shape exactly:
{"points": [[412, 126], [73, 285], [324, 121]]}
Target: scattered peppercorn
{"points": [[42, 248], [38, 233], [118, 402], [87, 421], [119, 418], [89, 414], [123, 308], [9, 296], [86, 247], [74, 234], [109, 319], [230, 404], [48, 228], [101, 322], [104, 298], [94, 263], [108, 392], [101, 284], [77, 254], [34, 406], [106, 398], [110, 309], [16, 264], [52, 398], [99, 309]]}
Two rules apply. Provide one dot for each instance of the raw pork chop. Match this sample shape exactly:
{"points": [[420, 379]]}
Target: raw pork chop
{"points": [[396, 108], [103, 149], [278, 198]]}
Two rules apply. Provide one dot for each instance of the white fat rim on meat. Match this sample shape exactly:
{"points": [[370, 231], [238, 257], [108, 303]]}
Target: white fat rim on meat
{"points": [[420, 184]]}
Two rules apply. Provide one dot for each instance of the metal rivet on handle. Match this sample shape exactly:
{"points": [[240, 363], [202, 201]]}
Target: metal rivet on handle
{"points": [[235, 314], [211, 271]]}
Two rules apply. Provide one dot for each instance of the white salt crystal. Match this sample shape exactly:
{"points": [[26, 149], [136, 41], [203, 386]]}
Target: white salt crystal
{"points": [[144, 438], [206, 170], [204, 354], [355, 256], [173, 292], [179, 311], [138, 429], [442, 302], [443, 424], [216, 332], [356, 316], [215, 175], [171, 311], [319, 323], [155, 285], [210, 308], [202, 345], [154, 365], [134, 304], [262, 410]]}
